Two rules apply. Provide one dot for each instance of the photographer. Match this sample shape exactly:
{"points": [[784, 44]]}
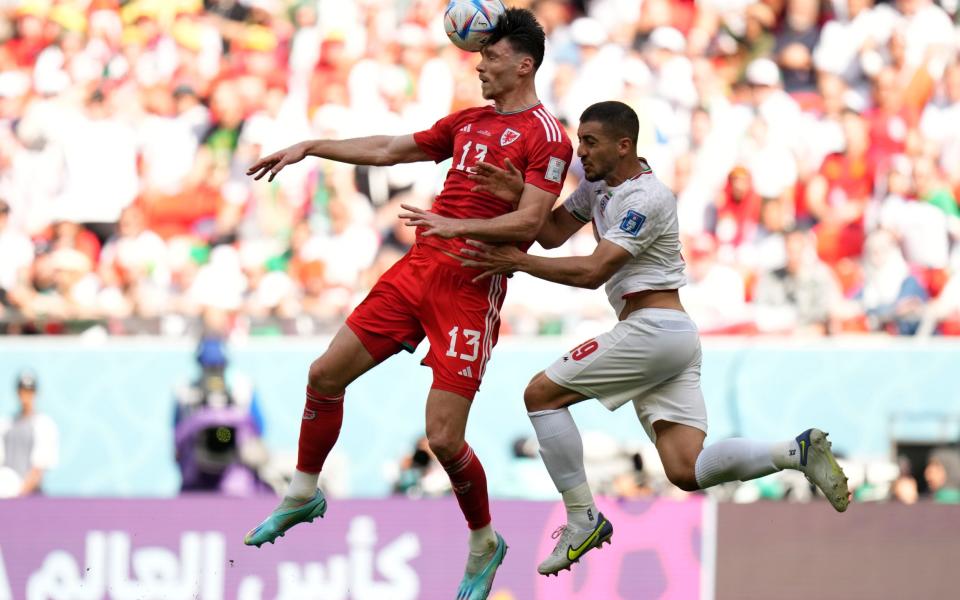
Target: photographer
{"points": [[217, 428]]}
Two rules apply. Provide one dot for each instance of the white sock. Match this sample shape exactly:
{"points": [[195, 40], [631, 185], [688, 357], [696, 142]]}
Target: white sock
{"points": [[786, 455], [303, 485], [560, 447], [482, 540], [739, 459], [581, 511]]}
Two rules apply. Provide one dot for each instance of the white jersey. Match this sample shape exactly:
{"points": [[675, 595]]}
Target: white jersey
{"points": [[640, 216]]}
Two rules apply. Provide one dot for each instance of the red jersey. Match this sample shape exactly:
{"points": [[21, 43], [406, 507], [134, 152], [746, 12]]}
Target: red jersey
{"points": [[850, 179], [532, 139]]}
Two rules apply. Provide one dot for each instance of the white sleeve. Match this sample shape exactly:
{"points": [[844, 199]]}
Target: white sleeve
{"points": [[46, 443], [639, 222], [580, 203]]}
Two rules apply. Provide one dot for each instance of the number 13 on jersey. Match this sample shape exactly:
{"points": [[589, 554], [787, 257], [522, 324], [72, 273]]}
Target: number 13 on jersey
{"points": [[471, 340], [481, 152]]}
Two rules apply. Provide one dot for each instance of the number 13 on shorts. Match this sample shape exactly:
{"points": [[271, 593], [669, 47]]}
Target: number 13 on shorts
{"points": [[470, 340]]}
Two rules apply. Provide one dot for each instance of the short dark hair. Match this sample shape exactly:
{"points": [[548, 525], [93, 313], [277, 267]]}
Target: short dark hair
{"points": [[520, 28], [616, 117]]}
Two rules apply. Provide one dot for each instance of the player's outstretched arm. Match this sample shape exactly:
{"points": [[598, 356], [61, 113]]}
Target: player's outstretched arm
{"points": [[578, 271], [521, 225], [377, 150], [558, 228]]}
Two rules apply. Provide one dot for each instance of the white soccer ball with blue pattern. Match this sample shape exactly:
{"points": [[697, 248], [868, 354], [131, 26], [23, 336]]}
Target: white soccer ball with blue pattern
{"points": [[469, 23]]}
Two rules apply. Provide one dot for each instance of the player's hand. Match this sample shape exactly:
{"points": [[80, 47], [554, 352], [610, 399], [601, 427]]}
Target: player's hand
{"points": [[494, 260], [502, 183], [432, 223], [273, 163]]}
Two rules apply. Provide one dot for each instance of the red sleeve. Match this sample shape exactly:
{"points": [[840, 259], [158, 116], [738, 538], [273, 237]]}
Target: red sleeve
{"points": [[437, 142], [548, 164]]}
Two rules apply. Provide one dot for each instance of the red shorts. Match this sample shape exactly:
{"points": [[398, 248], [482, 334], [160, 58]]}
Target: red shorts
{"points": [[428, 293]]}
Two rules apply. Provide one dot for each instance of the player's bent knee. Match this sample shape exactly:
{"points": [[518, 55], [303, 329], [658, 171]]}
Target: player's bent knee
{"points": [[532, 399], [684, 478], [323, 379], [687, 483], [443, 444], [537, 396]]}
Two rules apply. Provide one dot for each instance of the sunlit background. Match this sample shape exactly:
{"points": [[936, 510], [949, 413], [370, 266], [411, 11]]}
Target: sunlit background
{"points": [[161, 308]]}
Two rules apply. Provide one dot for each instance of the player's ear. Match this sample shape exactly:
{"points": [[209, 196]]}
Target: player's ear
{"points": [[624, 146], [525, 65]]}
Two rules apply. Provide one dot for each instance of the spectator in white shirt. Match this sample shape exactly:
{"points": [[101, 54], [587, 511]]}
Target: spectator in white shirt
{"points": [[29, 444]]}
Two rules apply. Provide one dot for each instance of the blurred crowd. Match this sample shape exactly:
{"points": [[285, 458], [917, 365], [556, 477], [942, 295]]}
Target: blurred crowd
{"points": [[630, 471], [814, 148]]}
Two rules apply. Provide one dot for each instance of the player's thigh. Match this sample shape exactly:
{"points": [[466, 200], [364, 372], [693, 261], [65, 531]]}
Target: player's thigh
{"points": [[461, 320], [386, 321], [542, 393], [344, 360], [614, 367], [678, 399], [446, 425]]}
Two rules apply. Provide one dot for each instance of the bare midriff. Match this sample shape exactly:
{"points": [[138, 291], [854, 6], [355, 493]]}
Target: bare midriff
{"points": [[669, 299]]}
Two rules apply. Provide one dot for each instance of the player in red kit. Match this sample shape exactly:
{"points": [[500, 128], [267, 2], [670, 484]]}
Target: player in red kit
{"points": [[427, 293]]}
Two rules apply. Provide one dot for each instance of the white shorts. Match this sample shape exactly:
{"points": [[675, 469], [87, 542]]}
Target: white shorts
{"points": [[652, 358]]}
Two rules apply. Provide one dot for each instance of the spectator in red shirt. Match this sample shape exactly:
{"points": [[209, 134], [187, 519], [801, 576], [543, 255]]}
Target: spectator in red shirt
{"points": [[29, 39], [737, 209], [838, 195], [889, 119]]}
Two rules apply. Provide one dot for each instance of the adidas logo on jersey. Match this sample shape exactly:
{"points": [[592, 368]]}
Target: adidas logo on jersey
{"points": [[466, 372], [466, 128]]}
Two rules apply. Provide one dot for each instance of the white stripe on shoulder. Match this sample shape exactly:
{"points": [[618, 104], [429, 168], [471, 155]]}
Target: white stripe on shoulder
{"points": [[547, 129], [545, 116], [553, 123]]}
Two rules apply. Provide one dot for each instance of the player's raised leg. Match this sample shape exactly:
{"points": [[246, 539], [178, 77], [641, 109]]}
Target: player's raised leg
{"points": [[345, 360], [690, 466], [446, 424], [561, 448]]}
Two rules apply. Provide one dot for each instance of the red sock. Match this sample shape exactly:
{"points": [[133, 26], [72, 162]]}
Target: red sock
{"points": [[319, 430], [470, 485]]}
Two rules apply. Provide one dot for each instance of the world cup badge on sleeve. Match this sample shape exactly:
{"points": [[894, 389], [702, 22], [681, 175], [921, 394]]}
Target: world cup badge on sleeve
{"points": [[633, 222], [555, 169]]}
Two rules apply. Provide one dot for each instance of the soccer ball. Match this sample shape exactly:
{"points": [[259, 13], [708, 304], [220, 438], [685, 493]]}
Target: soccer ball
{"points": [[469, 23]]}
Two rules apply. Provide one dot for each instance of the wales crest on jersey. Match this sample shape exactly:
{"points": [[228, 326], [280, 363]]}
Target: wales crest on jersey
{"points": [[509, 136]]}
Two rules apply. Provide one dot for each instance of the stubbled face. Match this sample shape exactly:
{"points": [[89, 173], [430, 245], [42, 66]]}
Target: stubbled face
{"points": [[599, 151], [498, 69]]}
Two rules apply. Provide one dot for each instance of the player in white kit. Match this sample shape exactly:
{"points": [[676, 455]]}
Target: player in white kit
{"points": [[651, 357]]}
